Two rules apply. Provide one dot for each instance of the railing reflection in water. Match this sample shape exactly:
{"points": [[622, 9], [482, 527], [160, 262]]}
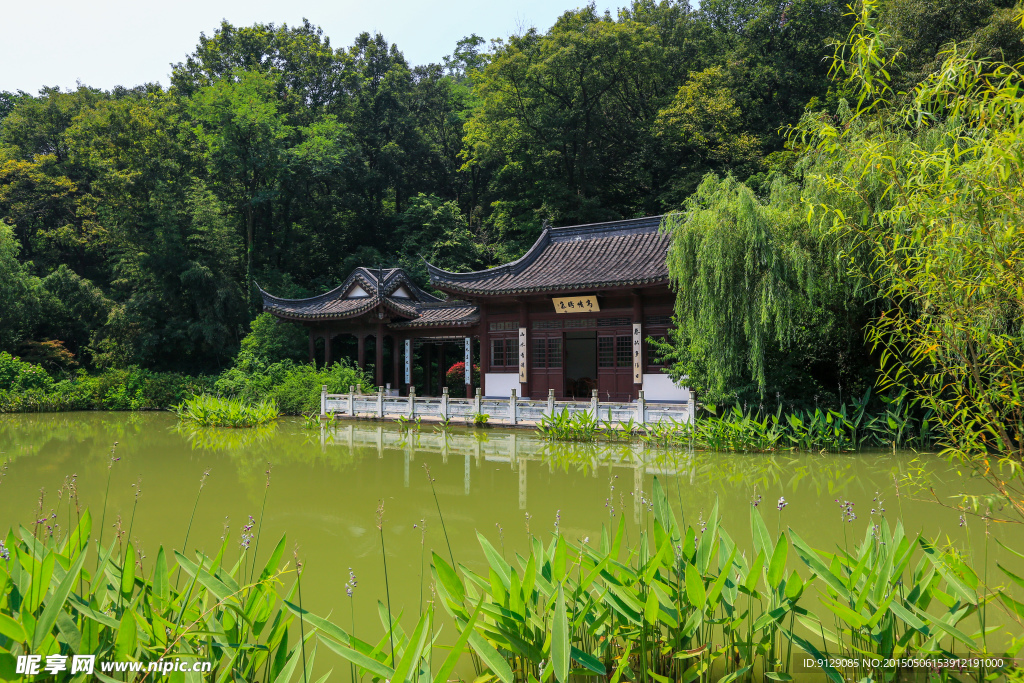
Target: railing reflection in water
{"points": [[516, 449]]}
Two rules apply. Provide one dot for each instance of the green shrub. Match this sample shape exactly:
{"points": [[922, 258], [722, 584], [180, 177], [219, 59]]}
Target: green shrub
{"points": [[295, 387]]}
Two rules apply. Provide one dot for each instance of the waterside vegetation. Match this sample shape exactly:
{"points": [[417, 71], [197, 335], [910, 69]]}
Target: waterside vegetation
{"points": [[850, 428], [677, 602], [214, 411]]}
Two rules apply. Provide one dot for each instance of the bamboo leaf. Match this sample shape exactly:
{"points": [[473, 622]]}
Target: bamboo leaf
{"points": [[829, 670], [450, 580], [56, 603], [411, 658], [560, 639], [777, 566], [128, 572], [497, 562], [362, 661], [453, 657], [161, 586], [695, 588], [762, 539]]}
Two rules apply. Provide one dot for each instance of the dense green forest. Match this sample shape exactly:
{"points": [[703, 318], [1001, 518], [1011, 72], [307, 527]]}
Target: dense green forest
{"points": [[134, 222]]}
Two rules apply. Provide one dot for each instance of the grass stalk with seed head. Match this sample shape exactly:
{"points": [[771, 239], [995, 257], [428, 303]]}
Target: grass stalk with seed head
{"points": [[387, 587], [302, 626], [430, 479], [106, 494], [195, 506], [259, 528]]}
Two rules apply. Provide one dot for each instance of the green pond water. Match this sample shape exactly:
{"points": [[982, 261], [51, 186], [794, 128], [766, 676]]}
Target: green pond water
{"points": [[325, 488]]}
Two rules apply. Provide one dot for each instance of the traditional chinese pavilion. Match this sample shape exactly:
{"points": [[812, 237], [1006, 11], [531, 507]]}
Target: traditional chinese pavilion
{"points": [[571, 315]]}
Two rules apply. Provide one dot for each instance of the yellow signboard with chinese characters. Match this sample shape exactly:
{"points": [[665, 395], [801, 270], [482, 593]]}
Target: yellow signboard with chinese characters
{"points": [[575, 304]]}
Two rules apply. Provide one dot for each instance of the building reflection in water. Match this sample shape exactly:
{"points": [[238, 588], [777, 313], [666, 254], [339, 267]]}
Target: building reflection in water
{"points": [[516, 449]]}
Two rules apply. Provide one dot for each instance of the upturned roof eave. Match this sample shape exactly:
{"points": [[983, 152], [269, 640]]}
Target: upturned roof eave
{"points": [[454, 288]]}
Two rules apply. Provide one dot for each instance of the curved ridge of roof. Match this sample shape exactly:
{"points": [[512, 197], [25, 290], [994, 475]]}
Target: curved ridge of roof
{"points": [[464, 282], [421, 307]]}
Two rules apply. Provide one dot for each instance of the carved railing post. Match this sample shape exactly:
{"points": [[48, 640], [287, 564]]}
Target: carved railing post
{"points": [[351, 400], [641, 408], [323, 401], [512, 408]]}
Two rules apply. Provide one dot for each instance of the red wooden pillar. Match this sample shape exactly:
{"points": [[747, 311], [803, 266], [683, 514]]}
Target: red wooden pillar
{"points": [[396, 357], [426, 368], [485, 347], [378, 366], [442, 379], [327, 349], [312, 347], [361, 351]]}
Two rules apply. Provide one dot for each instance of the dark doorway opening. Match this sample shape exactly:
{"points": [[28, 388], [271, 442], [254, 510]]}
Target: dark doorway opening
{"points": [[580, 364]]}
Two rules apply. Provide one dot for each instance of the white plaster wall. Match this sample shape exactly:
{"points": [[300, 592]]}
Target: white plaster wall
{"points": [[500, 384], [659, 387]]}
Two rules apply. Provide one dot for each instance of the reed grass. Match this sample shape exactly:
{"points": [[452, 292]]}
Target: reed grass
{"points": [[214, 411]]}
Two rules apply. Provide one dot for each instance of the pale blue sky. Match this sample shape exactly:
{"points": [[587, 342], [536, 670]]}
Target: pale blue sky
{"points": [[105, 43]]}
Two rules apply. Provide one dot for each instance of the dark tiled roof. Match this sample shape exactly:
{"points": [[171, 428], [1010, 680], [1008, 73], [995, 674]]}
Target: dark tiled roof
{"points": [[422, 310], [456, 313], [620, 253]]}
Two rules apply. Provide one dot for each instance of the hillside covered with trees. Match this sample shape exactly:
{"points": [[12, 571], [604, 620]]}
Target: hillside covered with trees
{"points": [[134, 222]]}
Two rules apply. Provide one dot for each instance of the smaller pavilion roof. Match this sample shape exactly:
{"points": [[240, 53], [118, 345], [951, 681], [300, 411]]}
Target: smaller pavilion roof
{"points": [[366, 289], [614, 254]]}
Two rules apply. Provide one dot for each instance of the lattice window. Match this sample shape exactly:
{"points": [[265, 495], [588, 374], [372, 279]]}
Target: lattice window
{"points": [[659, 320], [547, 352], [504, 352], [606, 352], [540, 353], [613, 322], [547, 324], [624, 351], [555, 352], [504, 326], [581, 322]]}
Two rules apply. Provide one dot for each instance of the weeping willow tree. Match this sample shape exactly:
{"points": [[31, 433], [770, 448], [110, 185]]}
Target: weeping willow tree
{"points": [[763, 312], [925, 190]]}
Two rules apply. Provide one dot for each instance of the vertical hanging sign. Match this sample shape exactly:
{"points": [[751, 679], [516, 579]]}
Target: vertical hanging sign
{"points": [[522, 354], [469, 361], [408, 361], [638, 345]]}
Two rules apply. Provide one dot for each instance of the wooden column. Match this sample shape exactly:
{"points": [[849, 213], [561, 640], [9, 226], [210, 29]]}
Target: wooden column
{"points": [[485, 347], [312, 347], [396, 365], [361, 351], [426, 369], [442, 380], [327, 349], [378, 366]]}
